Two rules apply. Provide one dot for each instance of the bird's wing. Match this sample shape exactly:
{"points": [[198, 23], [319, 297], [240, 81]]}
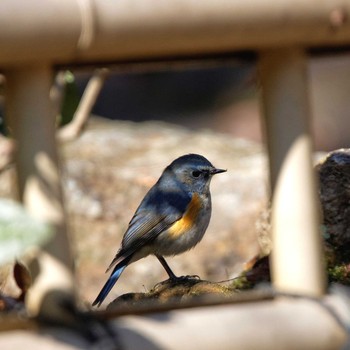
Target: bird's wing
{"points": [[157, 212]]}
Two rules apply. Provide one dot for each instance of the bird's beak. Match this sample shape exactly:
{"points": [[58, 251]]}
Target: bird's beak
{"points": [[217, 171]]}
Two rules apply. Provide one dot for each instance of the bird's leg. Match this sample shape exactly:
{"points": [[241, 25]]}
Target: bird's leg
{"points": [[171, 274]]}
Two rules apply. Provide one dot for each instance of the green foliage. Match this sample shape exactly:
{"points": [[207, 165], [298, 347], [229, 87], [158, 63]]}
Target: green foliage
{"points": [[70, 99], [19, 231], [340, 274], [241, 283]]}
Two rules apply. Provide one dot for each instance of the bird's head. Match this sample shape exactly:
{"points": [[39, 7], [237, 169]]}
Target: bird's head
{"points": [[193, 170]]}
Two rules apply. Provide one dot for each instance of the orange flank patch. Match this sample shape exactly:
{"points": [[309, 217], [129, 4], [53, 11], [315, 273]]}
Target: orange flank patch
{"points": [[186, 222]]}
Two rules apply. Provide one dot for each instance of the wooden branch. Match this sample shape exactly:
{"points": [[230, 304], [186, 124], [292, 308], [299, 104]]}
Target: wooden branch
{"points": [[75, 127]]}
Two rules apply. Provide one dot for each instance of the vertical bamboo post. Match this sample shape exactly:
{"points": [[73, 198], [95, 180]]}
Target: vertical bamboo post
{"points": [[297, 264], [31, 118]]}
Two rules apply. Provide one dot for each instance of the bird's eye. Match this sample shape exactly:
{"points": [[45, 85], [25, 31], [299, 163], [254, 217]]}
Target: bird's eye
{"points": [[196, 173]]}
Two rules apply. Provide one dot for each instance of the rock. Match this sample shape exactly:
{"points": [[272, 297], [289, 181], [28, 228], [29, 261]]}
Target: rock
{"points": [[334, 176], [170, 292]]}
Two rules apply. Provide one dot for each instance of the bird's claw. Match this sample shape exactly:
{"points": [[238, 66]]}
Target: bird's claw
{"points": [[193, 277], [178, 279], [184, 278]]}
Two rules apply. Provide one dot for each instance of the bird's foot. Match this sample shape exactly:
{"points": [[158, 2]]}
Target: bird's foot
{"points": [[177, 280], [184, 278]]}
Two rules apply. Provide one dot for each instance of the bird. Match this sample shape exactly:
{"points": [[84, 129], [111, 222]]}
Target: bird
{"points": [[171, 219]]}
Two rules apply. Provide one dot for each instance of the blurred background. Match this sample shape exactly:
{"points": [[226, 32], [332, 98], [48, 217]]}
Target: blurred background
{"points": [[225, 99]]}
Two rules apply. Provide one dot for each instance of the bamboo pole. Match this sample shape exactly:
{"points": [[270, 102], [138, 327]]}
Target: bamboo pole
{"points": [[32, 121], [90, 31], [282, 324], [287, 323], [297, 264]]}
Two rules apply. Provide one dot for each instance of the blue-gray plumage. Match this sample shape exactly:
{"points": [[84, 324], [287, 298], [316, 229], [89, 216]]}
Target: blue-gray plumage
{"points": [[172, 217]]}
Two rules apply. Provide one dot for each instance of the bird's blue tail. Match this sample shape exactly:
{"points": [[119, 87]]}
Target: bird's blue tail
{"points": [[117, 271]]}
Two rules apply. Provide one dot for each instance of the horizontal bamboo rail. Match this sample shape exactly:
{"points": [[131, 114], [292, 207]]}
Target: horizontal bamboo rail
{"points": [[97, 30]]}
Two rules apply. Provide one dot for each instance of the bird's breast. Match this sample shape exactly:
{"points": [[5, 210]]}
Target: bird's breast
{"points": [[185, 233], [189, 218]]}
